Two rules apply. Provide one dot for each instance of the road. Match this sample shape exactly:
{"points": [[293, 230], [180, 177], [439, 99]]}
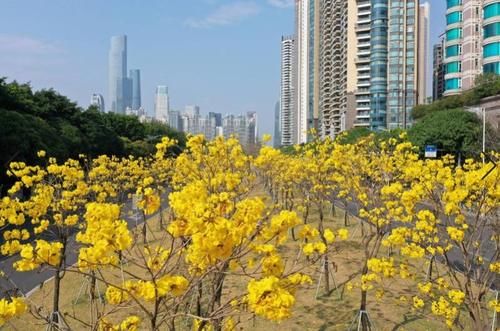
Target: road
{"points": [[25, 282], [455, 256]]}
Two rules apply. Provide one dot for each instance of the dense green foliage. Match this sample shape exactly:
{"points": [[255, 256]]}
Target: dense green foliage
{"points": [[486, 86], [453, 131], [45, 120]]}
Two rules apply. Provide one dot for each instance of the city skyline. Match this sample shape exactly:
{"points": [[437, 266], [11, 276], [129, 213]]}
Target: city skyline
{"points": [[56, 43]]}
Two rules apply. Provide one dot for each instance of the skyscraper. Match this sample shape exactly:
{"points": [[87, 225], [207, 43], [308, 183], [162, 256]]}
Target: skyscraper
{"points": [[438, 71], [288, 116], [472, 44], [277, 126], [363, 69], [217, 117], [402, 70], [423, 50], [135, 77], [252, 128], [174, 120], [98, 101], [337, 66], [306, 68], [118, 83], [192, 110], [162, 104]]}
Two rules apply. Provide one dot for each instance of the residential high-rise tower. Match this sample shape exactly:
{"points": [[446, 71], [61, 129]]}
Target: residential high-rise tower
{"points": [[438, 71], [337, 81], [288, 115], [306, 68], [472, 45]]}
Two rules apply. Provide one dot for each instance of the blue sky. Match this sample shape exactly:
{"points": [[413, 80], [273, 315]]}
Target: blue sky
{"points": [[223, 55]]}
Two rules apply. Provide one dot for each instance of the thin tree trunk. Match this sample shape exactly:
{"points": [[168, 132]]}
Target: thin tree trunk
{"points": [[365, 322], [54, 319], [325, 267]]}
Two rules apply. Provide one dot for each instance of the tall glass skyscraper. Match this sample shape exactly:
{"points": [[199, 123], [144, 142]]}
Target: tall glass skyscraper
{"points": [[162, 105], [394, 63], [117, 76], [135, 77], [378, 66]]}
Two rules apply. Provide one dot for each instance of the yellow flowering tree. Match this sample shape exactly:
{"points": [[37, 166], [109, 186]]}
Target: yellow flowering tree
{"points": [[456, 226], [52, 199], [376, 168]]}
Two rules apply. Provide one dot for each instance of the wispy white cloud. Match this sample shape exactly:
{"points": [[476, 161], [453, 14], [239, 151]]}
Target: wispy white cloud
{"points": [[281, 3], [225, 15], [22, 45]]}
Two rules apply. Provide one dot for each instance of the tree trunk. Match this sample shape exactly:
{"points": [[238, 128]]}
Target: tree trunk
{"points": [[325, 267], [346, 219], [429, 270], [161, 216], [198, 299], [365, 322], [54, 319], [326, 274], [55, 301]]}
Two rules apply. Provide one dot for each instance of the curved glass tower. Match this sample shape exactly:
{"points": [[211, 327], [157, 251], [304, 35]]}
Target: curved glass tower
{"points": [[453, 47], [491, 41], [378, 66]]}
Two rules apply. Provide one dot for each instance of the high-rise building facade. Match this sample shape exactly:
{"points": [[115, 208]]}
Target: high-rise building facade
{"points": [[403, 49], [306, 68], [360, 63], [438, 71], [174, 119], [252, 128], [288, 116], [337, 81], [424, 27], [162, 104], [472, 42], [192, 110], [135, 78], [117, 76], [277, 126], [394, 49], [491, 40], [97, 100]]}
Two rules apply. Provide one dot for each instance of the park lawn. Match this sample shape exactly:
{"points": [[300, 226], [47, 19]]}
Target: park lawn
{"points": [[327, 312]]}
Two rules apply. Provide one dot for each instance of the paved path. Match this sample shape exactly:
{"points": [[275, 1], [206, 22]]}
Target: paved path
{"points": [[28, 281]]}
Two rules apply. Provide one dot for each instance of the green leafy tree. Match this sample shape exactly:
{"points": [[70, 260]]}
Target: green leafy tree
{"points": [[453, 131]]}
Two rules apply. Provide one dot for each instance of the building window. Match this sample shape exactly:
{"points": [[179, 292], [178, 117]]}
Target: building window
{"points": [[453, 84], [454, 50], [453, 3], [454, 34], [492, 10], [454, 17], [453, 67], [492, 68], [492, 49], [492, 30]]}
